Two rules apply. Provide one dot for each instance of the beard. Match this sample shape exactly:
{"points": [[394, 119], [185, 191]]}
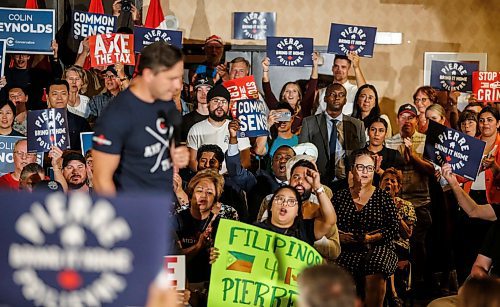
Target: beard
{"points": [[214, 116], [305, 196], [75, 186]]}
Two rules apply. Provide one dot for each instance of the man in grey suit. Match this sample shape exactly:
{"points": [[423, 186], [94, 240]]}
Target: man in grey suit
{"points": [[335, 135]]}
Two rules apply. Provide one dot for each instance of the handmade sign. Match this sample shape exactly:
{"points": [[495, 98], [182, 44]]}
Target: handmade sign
{"points": [[241, 88], [350, 38], [257, 267], [146, 36], [87, 24], [445, 145], [486, 85], [108, 49], [47, 128], [253, 25], [78, 251], [7, 153], [290, 51], [252, 114], [453, 76], [27, 30]]}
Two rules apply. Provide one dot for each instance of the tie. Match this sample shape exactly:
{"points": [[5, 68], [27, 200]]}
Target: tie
{"points": [[333, 140]]}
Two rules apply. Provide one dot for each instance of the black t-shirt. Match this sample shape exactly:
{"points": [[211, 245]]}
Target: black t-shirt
{"points": [[189, 120], [141, 134], [188, 231], [491, 245], [304, 230]]}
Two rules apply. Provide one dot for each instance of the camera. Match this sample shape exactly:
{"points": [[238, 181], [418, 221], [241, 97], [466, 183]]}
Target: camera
{"points": [[126, 5]]}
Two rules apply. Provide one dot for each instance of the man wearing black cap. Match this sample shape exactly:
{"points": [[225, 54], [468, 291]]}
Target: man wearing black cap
{"points": [[416, 170], [214, 129], [113, 86], [74, 171], [201, 88]]}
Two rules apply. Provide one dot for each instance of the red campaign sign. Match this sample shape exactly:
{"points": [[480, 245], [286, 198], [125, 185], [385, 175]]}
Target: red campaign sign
{"points": [[108, 49], [241, 88], [486, 85]]}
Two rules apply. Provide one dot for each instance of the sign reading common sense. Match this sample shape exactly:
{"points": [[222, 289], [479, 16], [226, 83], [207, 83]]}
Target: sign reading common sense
{"points": [[453, 76], [257, 267], [80, 251], [253, 25], [47, 128], [87, 24], [290, 51], [146, 36], [486, 85], [445, 145], [252, 115], [349, 38], [27, 31]]}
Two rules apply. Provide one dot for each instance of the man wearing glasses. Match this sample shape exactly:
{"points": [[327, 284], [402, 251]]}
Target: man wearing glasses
{"points": [[336, 136], [214, 129], [22, 158]]}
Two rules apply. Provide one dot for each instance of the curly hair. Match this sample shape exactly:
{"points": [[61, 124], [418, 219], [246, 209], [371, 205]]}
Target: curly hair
{"points": [[211, 175], [429, 91]]}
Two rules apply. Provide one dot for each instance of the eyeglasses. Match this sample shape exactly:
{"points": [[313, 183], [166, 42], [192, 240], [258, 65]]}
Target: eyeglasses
{"points": [[111, 77], [282, 201], [339, 95], [218, 101], [421, 100], [362, 168], [25, 154]]}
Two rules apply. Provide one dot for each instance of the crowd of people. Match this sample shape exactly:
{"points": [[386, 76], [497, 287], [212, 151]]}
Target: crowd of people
{"points": [[334, 173]]}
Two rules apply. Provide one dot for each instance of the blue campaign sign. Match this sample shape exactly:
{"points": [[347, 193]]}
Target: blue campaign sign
{"points": [[3, 47], [80, 251], [86, 141], [347, 38], [86, 24], [445, 145], [27, 31], [46, 128], [146, 36], [7, 153], [252, 114], [290, 51], [253, 25], [453, 76]]}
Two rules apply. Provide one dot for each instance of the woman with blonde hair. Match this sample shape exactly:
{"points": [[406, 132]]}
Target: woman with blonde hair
{"points": [[77, 103]]}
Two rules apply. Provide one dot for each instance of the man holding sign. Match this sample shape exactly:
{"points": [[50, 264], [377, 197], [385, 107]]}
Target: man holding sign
{"points": [[133, 147]]}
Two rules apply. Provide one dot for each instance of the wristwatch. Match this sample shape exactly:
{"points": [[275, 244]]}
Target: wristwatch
{"points": [[320, 190]]}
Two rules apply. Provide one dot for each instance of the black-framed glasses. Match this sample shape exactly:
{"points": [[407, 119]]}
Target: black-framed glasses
{"points": [[282, 201], [362, 168]]}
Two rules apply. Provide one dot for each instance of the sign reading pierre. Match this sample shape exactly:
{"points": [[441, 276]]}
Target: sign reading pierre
{"points": [[290, 51], [146, 36], [27, 31], [351, 38], [257, 267], [453, 76], [445, 145], [47, 128], [253, 25]]}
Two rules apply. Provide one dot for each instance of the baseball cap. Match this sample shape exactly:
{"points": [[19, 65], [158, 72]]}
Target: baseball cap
{"points": [[218, 91], [48, 186], [71, 156], [306, 149], [214, 38], [110, 68], [407, 108], [200, 81]]}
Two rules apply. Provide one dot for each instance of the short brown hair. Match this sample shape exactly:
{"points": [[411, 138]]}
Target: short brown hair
{"points": [[429, 91], [211, 175], [395, 172]]}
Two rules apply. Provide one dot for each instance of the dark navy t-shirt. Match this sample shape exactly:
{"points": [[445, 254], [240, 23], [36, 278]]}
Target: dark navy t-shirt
{"points": [[140, 133]]}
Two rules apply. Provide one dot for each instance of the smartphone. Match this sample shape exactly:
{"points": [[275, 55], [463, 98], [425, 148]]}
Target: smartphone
{"points": [[284, 116]]}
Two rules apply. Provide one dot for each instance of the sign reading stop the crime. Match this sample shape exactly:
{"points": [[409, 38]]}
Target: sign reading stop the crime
{"points": [[486, 85]]}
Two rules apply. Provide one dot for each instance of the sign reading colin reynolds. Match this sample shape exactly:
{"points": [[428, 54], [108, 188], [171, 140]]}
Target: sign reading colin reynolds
{"points": [[453, 76], [146, 36], [78, 251], [253, 25], [87, 24], [486, 85], [290, 51], [7, 153], [445, 145], [257, 267], [349, 38], [252, 116], [46, 128], [27, 31]]}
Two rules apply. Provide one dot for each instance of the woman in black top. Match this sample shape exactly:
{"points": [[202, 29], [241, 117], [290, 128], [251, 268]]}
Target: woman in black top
{"points": [[7, 115]]}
